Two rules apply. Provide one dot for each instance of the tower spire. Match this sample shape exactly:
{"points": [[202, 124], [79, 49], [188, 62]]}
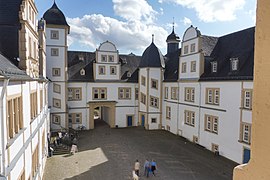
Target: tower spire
{"points": [[152, 38], [173, 24]]}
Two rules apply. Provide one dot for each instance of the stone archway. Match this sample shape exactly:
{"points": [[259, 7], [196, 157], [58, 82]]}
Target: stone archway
{"points": [[111, 113]]}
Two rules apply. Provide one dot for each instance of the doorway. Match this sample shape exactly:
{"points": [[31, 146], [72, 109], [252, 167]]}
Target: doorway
{"points": [[246, 155], [129, 120]]}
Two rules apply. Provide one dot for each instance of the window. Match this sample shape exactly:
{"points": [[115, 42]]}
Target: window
{"points": [[168, 112], [81, 57], [214, 66], [246, 133], [154, 101], [113, 70], [56, 88], [103, 58], [124, 93], [211, 124], [56, 103], [82, 72], [143, 98], [35, 163], [193, 66], [192, 47], [143, 80], [154, 120], [75, 118], [111, 59], [54, 34], [247, 99], [166, 92], [33, 101], [154, 83], [136, 93], [74, 94], [54, 52], [99, 93], [234, 64], [56, 119], [174, 93], [186, 49], [212, 96], [184, 67], [14, 115], [101, 70], [56, 71], [195, 139], [30, 46], [189, 94], [189, 118]]}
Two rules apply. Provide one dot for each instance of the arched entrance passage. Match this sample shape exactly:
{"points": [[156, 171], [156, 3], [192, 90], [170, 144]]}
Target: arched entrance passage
{"points": [[108, 112]]}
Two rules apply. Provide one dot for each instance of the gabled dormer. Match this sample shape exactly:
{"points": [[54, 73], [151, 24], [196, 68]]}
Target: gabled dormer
{"points": [[107, 66], [234, 64], [214, 66]]}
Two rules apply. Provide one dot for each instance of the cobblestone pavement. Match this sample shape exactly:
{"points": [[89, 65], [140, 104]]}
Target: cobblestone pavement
{"points": [[110, 154]]}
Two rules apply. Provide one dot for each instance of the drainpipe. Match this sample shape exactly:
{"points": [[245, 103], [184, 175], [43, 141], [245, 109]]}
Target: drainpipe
{"points": [[199, 126], [6, 81]]}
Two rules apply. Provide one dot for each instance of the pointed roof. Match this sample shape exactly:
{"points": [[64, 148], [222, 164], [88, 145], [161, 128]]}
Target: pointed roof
{"points": [[173, 37], [152, 57], [55, 16]]}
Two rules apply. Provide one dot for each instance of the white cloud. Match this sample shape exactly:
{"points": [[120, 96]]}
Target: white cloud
{"points": [[128, 36], [134, 10], [213, 10], [160, 1], [161, 11], [186, 21]]}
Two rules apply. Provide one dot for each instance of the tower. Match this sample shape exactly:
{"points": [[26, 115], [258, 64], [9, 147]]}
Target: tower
{"points": [[172, 42], [150, 87], [57, 30]]}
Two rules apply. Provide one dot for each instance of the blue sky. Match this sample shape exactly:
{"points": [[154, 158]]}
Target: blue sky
{"points": [[129, 24]]}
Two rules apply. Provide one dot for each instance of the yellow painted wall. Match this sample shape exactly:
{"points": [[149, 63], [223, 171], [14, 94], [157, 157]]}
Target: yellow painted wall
{"points": [[258, 167]]}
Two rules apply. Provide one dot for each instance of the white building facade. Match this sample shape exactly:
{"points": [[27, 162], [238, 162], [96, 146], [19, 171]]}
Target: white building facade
{"points": [[202, 92], [24, 109]]}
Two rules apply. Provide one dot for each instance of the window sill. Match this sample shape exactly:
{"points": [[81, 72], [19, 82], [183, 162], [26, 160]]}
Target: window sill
{"points": [[247, 143], [11, 141]]}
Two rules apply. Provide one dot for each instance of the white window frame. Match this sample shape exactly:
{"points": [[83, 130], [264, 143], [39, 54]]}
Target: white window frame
{"points": [[247, 99], [168, 112], [54, 34], [184, 67], [213, 96], [124, 93], [192, 47], [214, 66], [166, 91], [193, 66], [211, 123], [101, 70], [154, 101]]}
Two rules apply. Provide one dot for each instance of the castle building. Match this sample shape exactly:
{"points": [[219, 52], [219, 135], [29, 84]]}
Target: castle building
{"points": [[24, 113], [202, 92]]}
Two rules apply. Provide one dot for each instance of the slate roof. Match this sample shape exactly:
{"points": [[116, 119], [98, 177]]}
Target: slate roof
{"points": [[152, 57], [9, 70], [173, 37], [129, 63], [55, 16], [236, 45], [9, 27], [208, 44], [172, 66]]}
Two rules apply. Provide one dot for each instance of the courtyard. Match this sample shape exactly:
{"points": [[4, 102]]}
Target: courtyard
{"points": [[106, 154]]}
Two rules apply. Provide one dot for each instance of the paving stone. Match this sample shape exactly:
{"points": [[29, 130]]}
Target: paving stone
{"points": [[106, 154]]}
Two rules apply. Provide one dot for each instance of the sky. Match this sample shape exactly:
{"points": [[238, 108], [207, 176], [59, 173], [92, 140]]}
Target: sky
{"points": [[129, 24]]}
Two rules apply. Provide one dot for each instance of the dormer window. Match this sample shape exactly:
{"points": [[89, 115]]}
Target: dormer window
{"points": [[214, 66], [128, 74], [81, 58], [82, 72], [124, 60], [234, 64]]}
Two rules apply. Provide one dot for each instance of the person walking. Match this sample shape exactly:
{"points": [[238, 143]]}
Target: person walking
{"points": [[137, 167], [146, 168], [153, 167]]}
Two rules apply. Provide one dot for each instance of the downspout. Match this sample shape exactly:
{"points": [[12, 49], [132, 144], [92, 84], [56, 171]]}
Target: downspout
{"points": [[199, 125], [6, 81], [178, 107]]}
